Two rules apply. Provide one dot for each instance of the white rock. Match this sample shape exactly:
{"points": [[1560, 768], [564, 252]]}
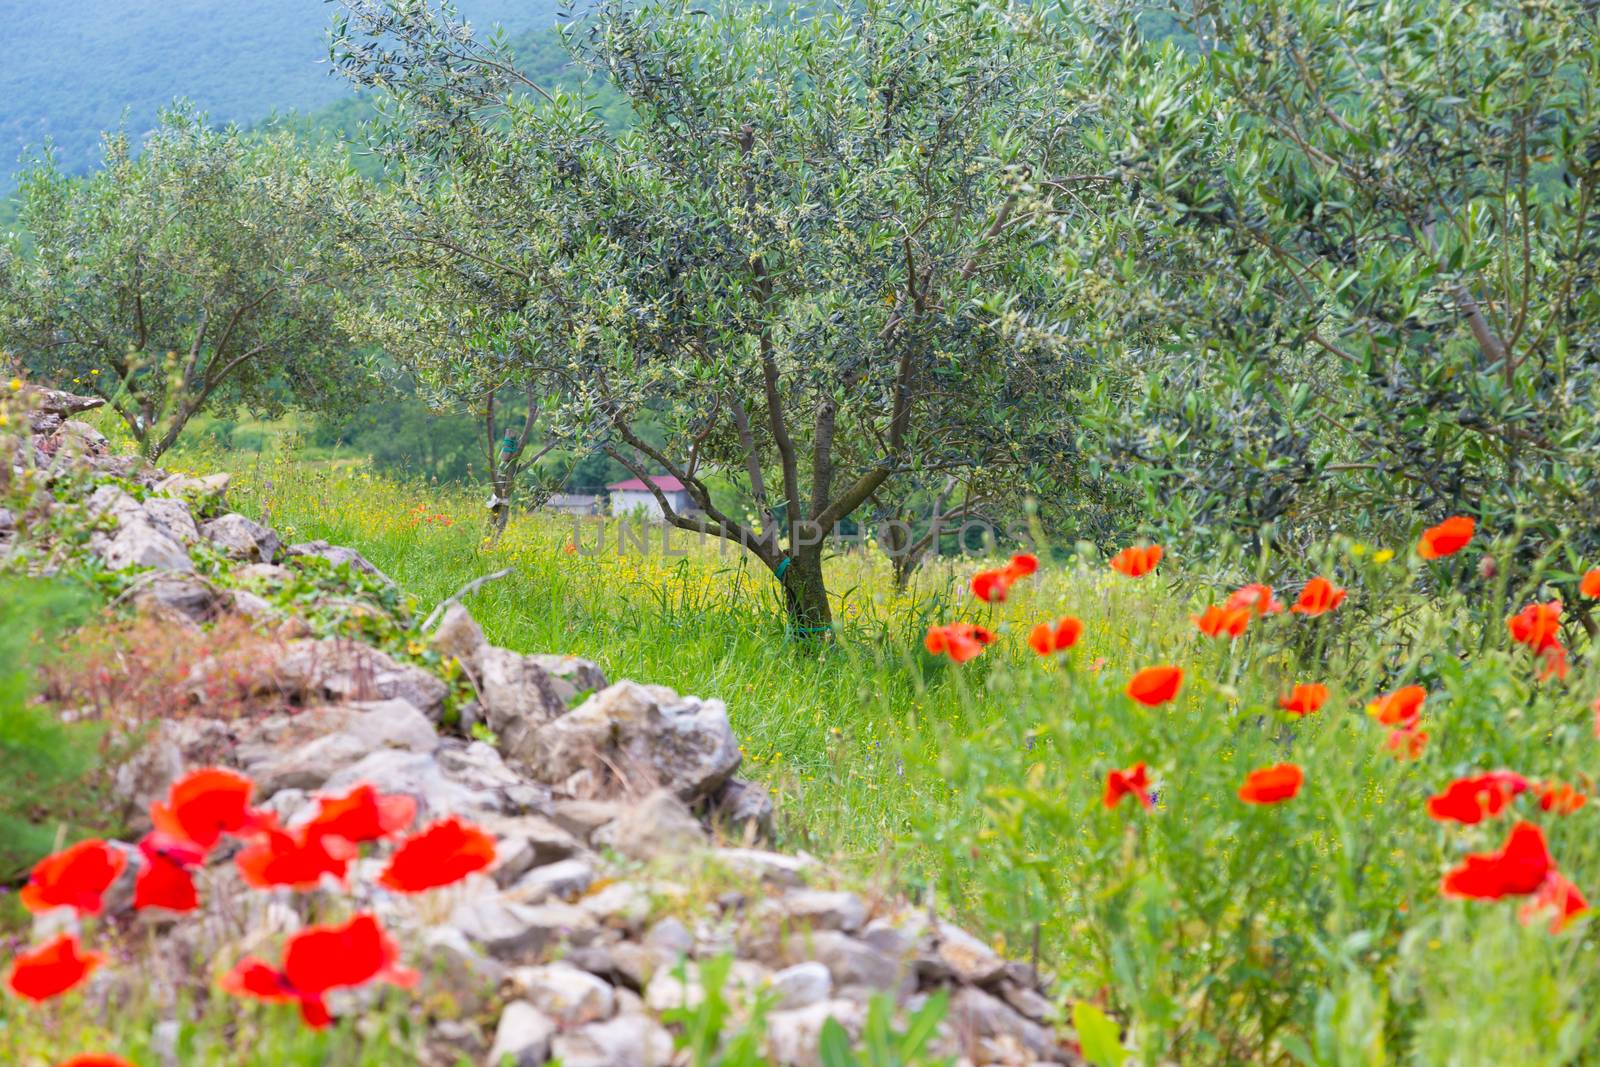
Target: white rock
{"points": [[627, 1041], [523, 1034], [565, 993], [802, 985], [793, 1036]]}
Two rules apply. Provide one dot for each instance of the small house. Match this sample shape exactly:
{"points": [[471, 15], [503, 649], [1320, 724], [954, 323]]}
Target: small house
{"points": [[634, 496], [573, 503]]}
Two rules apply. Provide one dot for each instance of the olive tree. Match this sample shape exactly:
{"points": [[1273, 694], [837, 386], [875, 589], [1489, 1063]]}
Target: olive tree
{"points": [[1346, 258], [796, 258], [202, 270]]}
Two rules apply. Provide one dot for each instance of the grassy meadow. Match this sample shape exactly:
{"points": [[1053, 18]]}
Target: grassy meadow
{"points": [[1309, 931]]}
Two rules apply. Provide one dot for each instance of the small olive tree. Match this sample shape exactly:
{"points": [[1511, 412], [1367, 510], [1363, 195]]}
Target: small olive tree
{"points": [[202, 270], [1346, 259], [794, 259]]}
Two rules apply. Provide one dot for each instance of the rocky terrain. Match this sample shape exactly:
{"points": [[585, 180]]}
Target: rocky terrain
{"points": [[630, 857]]}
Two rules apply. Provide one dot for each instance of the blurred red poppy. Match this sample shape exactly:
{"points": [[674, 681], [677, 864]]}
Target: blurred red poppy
{"points": [[1155, 685], [96, 1059], [297, 860], [1408, 742], [1472, 799], [362, 815], [1272, 785], [54, 968], [164, 880], [1559, 798], [1559, 899], [441, 854], [76, 877], [1131, 782], [1399, 708], [1318, 597], [1447, 538], [319, 959], [961, 641], [1137, 561], [993, 586], [1222, 622], [1304, 699], [206, 804], [1538, 626], [1518, 869], [1256, 597], [1589, 584], [1058, 636]]}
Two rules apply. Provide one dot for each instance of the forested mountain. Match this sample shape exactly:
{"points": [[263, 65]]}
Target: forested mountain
{"points": [[72, 70]]}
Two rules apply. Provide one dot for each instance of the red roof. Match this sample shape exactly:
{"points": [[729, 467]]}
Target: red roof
{"points": [[664, 482]]}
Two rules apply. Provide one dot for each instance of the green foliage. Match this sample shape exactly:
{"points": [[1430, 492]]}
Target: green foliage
{"points": [[1343, 260], [792, 258], [205, 272], [881, 1044], [43, 760]]}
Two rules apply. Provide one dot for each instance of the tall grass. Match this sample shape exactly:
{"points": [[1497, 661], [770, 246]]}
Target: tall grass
{"points": [[1312, 931]]}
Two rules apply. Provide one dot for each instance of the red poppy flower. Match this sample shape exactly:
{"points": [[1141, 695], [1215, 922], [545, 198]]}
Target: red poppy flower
{"points": [[164, 880], [1447, 538], [1136, 562], [1477, 797], [319, 959], [1256, 597], [993, 586], [1553, 663], [1400, 708], [1558, 898], [440, 855], [362, 815], [1021, 565], [990, 586], [1538, 626], [1155, 685], [206, 804], [1272, 785], [76, 877], [1131, 782], [1056, 636], [1518, 869], [1559, 797], [1589, 584], [297, 860], [1304, 699], [96, 1059], [52, 969], [1408, 742], [1319, 597], [961, 641], [1222, 622]]}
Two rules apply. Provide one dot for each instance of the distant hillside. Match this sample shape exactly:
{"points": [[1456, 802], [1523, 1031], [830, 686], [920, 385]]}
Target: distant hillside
{"points": [[72, 70]]}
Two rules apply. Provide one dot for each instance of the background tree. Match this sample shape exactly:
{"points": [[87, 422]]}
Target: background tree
{"points": [[204, 271], [1347, 259], [796, 253]]}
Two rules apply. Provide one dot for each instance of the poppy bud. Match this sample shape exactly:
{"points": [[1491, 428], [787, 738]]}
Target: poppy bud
{"points": [[1487, 568]]}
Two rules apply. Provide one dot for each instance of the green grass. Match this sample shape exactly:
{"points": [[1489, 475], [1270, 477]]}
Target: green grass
{"points": [[1311, 931]]}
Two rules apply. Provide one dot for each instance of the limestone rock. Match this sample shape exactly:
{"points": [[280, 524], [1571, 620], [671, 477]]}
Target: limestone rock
{"points": [[584, 676], [632, 1040], [241, 538], [339, 556], [304, 750], [742, 809], [975, 1014], [852, 963], [518, 697], [565, 993], [659, 825], [523, 1034], [963, 956], [802, 985], [451, 963], [680, 985], [524, 842], [172, 517], [206, 494], [458, 634], [177, 596], [793, 1036], [582, 818], [817, 909], [313, 671], [511, 931], [649, 736], [774, 868], [419, 775], [562, 880]]}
